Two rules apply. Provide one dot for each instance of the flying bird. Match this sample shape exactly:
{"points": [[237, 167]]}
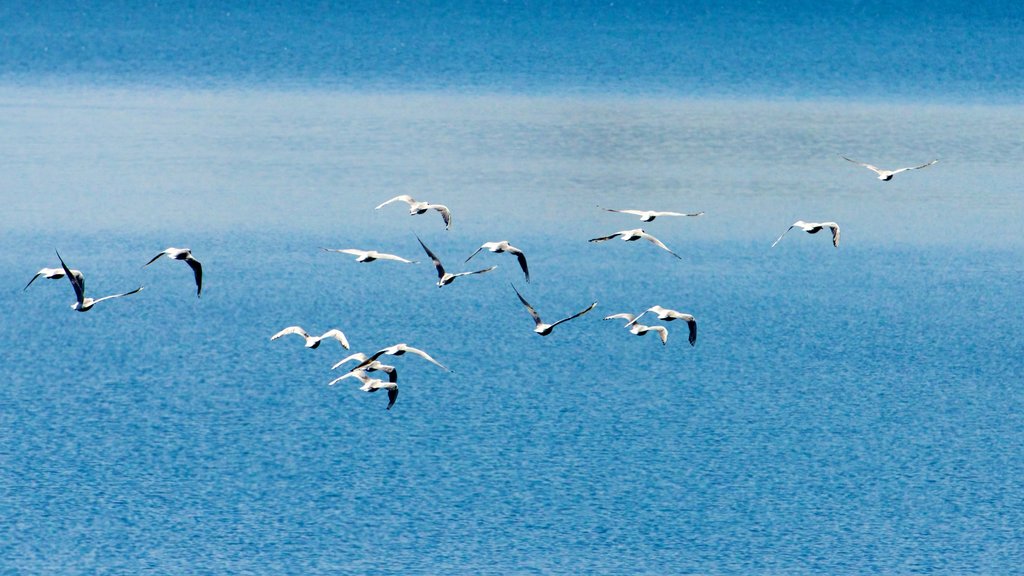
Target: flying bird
{"points": [[314, 341], [886, 175], [445, 278], [639, 329], [55, 274], [417, 207], [633, 235], [668, 315], [186, 255], [369, 255], [504, 246], [813, 228], [396, 350], [84, 304], [373, 384], [542, 328], [650, 215]]}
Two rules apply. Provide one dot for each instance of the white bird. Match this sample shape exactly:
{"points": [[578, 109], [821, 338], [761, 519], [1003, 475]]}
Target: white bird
{"points": [[374, 384], [186, 255], [369, 255], [55, 274], [374, 366], [314, 341], [633, 235], [668, 315], [445, 278], [813, 228], [396, 350], [886, 175], [540, 327], [504, 246], [417, 207], [639, 329], [650, 215], [85, 304]]}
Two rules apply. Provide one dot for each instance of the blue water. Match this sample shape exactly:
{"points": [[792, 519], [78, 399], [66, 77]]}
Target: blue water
{"points": [[845, 411]]}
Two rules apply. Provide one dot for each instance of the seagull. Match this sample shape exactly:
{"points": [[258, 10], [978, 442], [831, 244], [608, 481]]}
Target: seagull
{"points": [[670, 315], [639, 329], [55, 274], [373, 384], [369, 255], [633, 235], [886, 175], [416, 207], [542, 328], [813, 228], [444, 278], [650, 215], [504, 246], [85, 304], [186, 255], [396, 350], [313, 341], [374, 366]]}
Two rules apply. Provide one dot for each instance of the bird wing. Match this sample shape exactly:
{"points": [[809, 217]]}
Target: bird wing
{"points": [[290, 330], [434, 259], [621, 316], [474, 272], [530, 309], [835, 232], [637, 318], [522, 262], [38, 274], [677, 213], [403, 197], [576, 315], [355, 374], [633, 212], [691, 323], [94, 302], [352, 251], [603, 238], [337, 335], [391, 371], [662, 333], [392, 396], [874, 169], [197, 270], [445, 213], [784, 233], [383, 256], [424, 355], [658, 243], [358, 357], [154, 258], [76, 283], [914, 167], [473, 254]]}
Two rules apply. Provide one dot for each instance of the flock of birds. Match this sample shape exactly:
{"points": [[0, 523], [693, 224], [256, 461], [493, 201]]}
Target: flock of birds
{"points": [[368, 364]]}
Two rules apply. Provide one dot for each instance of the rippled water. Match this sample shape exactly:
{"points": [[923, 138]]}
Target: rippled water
{"points": [[844, 411]]}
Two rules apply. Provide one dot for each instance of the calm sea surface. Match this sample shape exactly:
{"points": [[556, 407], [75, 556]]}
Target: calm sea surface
{"points": [[845, 411]]}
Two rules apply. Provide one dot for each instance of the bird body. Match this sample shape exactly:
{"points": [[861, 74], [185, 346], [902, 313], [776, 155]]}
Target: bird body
{"points": [[55, 274], [650, 215], [886, 175], [668, 315], [504, 246], [417, 207], [813, 228], [84, 304], [445, 278], [186, 255], [369, 255], [634, 235], [314, 341], [540, 327]]}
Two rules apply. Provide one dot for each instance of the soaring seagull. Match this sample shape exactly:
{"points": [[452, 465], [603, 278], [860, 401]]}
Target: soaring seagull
{"points": [[85, 304], [650, 215], [314, 341], [55, 274], [373, 384], [504, 246], [445, 278], [813, 228], [668, 315], [417, 207], [542, 328], [886, 175], [634, 235], [369, 255], [186, 255]]}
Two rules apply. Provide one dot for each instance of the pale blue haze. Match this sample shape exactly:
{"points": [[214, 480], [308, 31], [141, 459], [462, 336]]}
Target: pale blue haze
{"points": [[845, 411]]}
